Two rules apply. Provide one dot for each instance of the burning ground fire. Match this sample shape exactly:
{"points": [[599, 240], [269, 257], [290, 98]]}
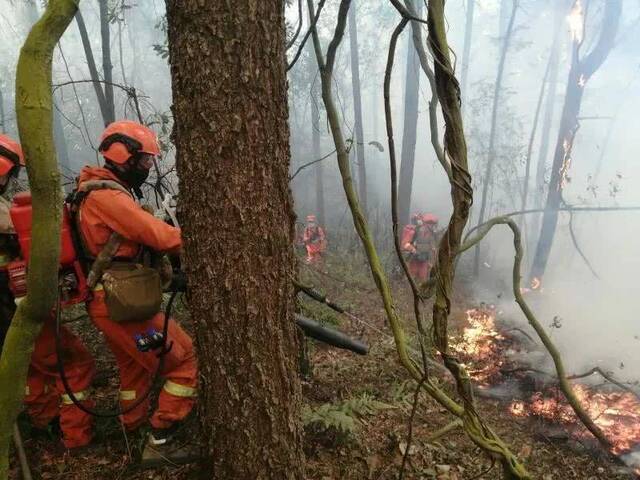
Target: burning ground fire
{"points": [[485, 348]]}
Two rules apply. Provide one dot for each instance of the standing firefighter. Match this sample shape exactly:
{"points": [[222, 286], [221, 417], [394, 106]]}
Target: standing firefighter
{"points": [[45, 396], [315, 240], [125, 304], [419, 243]]}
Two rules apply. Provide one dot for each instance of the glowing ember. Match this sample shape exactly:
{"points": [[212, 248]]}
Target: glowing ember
{"points": [[479, 344], [566, 164], [582, 81], [535, 283], [576, 22], [616, 413]]}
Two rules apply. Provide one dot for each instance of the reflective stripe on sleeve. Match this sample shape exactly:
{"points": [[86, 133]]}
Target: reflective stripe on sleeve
{"points": [[66, 399], [178, 390], [127, 395]]}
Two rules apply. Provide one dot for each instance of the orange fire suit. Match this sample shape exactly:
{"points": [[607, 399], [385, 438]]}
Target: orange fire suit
{"points": [[101, 213], [45, 397], [418, 243], [315, 241]]}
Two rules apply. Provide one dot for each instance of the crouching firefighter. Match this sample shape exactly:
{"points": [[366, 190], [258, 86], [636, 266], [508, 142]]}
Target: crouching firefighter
{"points": [[45, 398], [115, 232], [419, 244]]}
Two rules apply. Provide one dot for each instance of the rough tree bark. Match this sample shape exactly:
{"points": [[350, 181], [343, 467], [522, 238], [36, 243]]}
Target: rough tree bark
{"points": [[232, 142], [357, 109], [410, 126], [107, 66], [497, 92], [35, 125], [582, 69], [466, 49]]}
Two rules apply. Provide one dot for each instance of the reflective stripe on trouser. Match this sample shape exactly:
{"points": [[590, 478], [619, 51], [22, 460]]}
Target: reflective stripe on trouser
{"points": [[137, 368], [47, 397]]}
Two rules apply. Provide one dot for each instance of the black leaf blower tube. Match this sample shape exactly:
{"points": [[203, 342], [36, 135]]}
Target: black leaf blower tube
{"points": [[310, 328]]}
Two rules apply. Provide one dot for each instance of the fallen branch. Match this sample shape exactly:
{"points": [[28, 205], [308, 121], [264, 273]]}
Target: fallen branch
{"points": [[302, 167], [563, 381], [443, 431]]}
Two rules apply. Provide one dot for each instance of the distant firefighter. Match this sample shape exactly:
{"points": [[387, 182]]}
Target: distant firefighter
{"points": [[419, 243], [315, 240]]}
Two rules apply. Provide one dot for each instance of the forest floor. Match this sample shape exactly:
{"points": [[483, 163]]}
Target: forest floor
{"points": [[357, 408]]}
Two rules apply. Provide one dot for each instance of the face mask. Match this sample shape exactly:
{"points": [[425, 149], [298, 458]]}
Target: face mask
{"points": [[132, 177]]}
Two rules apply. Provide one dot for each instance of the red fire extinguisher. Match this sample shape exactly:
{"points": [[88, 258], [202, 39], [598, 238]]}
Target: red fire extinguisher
{"points": [[72, 280]]}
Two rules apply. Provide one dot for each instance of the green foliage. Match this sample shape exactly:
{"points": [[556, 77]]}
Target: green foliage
{"points": [[343, 416]]}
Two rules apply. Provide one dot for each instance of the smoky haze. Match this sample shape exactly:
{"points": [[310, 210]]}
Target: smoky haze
{"points": [[599, 324], [598, 316]]}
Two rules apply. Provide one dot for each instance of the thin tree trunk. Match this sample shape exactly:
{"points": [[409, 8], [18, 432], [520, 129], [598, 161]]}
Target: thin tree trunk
{"points": [[497, 92], [547, 122], [93, 70], [579, 74], [34, 114], [61, 143], [3, 124], [410, 126], [238, 222], [319, 168], [532, 138], [466, 49], [357, 109], [107, 66]]}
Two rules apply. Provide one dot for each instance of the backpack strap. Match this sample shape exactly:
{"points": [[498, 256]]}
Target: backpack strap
{"points": [[105, 257]]}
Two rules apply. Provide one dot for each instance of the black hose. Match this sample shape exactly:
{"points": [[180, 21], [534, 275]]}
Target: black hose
{"points": [[164, 349], [333, 337]]}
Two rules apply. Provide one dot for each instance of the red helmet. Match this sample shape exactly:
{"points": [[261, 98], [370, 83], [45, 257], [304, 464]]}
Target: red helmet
{"points": [[10, 155], [429, 218], [123, 139], [312, 218]]}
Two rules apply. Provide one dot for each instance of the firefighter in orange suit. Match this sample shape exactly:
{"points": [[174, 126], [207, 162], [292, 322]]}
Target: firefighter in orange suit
{"points": [[45, 396], [315, 240], [419, 244], [129, 149]]}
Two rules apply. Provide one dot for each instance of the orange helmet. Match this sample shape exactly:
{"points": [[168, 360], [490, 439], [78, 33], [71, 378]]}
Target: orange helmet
{"points": [[123, 139], [10, 155], [429, 218], [312, 218]]}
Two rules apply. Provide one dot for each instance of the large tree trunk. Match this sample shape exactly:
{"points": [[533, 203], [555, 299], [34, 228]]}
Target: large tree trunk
{"points": [[232, 144], [497, 92], [581, 71], [410, 126], [466, 49], [357, 109], [107, 66], [35, 124]]}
